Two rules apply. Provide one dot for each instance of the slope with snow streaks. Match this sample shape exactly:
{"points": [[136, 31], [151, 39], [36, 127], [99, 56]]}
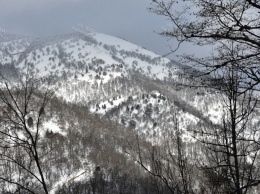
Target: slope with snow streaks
{"points": [[122, 44], [108, 90], [92, 70], [73, 54], [10, 51], [150, 114]]}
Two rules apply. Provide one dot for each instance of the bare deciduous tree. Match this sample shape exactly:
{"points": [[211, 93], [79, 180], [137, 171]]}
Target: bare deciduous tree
{"points": [[216, 24], [232, 29], [23, 100], [167, 162], [232, 146]]}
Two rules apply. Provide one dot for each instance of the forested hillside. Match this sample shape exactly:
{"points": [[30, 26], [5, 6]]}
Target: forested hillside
{"points": [[97, 114]]}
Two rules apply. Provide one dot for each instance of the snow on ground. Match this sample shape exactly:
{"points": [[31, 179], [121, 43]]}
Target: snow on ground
{"points": [[105, 106], [80, 175], [216, 110], [123, 44], [52, 126], [73, 54]]}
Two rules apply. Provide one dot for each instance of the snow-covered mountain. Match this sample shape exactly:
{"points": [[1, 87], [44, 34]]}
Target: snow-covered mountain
{"points": [[106, 88], [83, 56], [112, 77]]}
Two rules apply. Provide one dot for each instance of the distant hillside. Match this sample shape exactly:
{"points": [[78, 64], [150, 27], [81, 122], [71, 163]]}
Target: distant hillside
{"points": [[107, 92]]}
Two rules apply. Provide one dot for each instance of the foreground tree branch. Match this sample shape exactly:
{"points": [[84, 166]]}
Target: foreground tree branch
{"points": [[167, 162], [231, 28], [231, 153], [23, 100]]}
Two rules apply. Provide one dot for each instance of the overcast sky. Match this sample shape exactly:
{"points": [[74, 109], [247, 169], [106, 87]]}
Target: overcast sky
{"points": [[128, 19]]}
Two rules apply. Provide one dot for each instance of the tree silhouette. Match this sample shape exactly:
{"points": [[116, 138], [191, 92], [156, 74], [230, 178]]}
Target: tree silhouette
{"points": [[22, 102]]}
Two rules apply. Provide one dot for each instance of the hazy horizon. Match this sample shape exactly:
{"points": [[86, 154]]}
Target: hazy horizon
{"points": [[127, 19]]}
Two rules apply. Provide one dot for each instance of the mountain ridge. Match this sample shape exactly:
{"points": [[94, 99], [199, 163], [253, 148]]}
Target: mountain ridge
{"points": [[106, 85]]}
